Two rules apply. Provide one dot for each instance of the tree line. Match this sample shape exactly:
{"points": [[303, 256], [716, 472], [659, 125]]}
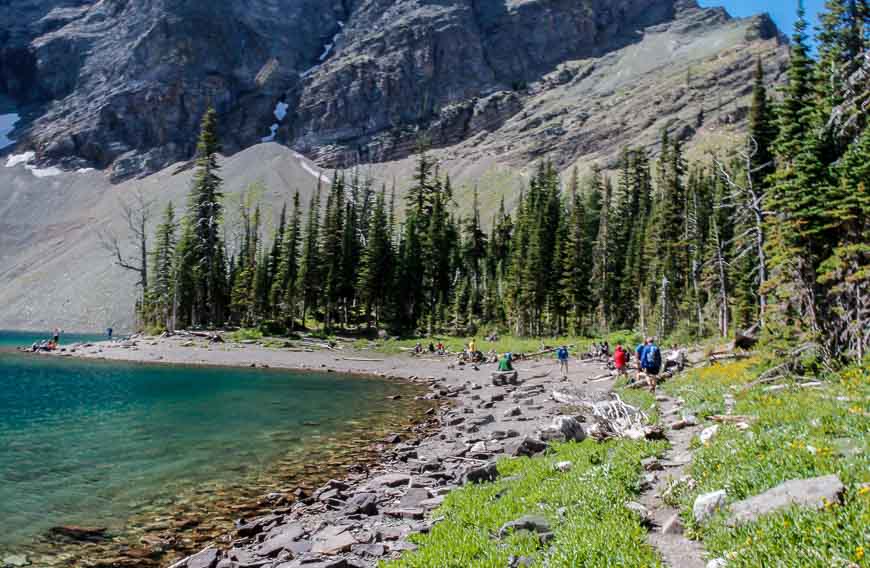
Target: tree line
{"points": [[772, 235]]}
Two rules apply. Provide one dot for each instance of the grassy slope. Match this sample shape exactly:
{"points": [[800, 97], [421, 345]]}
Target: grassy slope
{"points": [[585, 508], [799, 433]]}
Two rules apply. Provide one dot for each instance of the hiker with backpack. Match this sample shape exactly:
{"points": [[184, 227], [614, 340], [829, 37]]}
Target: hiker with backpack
{"points": [[620, 359], [562, 356], [652, 362]]}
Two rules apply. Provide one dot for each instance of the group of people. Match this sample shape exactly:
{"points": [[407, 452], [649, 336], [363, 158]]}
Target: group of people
{"points": [[597, 350], [439, 349], [648, 359]]}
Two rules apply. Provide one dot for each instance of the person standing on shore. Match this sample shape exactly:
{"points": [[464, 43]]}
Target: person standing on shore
{"points": [[562, 356], [109, 332]]}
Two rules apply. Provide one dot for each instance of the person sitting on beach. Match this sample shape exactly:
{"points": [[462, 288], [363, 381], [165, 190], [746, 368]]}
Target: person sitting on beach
{"points": [[418, 348], [505, 364], [440, 348]]}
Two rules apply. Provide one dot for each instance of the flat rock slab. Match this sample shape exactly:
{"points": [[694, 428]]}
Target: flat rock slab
{"points": [[813, 492], [391, 480], [282, 541], [333, 540]]}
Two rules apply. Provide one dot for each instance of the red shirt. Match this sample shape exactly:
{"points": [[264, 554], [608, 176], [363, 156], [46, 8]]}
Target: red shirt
{"points": [[619, 357]]}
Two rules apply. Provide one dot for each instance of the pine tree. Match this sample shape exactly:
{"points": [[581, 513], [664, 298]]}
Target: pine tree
{"points": [[284, 287], [310, 279], [163, 288], [575, 268], [206, 254], [376, 264]]}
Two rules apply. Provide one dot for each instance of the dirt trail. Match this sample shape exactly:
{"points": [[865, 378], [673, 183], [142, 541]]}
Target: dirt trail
{"points": [[666, 535]]}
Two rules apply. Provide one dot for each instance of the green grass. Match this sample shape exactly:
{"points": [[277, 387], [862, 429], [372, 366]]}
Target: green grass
{"points": [[245, 334], [585, 508], [798, 433]]}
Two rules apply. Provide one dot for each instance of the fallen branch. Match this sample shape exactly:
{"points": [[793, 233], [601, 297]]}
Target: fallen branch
{"points": [[360, 359]]}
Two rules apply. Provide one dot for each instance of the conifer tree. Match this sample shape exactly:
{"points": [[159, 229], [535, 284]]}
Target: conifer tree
{"points": [[309, 279], [163, 288], [376, 264], [206, 254]]}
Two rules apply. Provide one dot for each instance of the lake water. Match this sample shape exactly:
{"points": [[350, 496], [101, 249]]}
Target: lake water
{"points": [[100, 444]]}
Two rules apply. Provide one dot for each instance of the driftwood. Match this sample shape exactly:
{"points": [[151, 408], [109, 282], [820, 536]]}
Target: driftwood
{"points": [[361, 359], [715, 357], [523, 356]]}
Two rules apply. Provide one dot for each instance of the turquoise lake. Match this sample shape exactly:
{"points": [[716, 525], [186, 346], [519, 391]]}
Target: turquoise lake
{"points": [[95, 443]]}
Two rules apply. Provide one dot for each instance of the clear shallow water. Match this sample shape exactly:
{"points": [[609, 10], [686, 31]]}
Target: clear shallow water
{"points": [[95, 443]]}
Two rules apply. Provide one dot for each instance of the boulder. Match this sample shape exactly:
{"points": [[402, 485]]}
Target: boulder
{"points": [[564, 429], [707, 505], [531, 523], [279, 542], [515, 411], [524, 447], [333, 540], [207, 558], [708, 433], [651, 464], [563, 466], [813, 492], [481, 474], [362, 504]]}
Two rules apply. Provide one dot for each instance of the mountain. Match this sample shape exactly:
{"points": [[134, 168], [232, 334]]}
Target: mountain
{"points": [[494, 85]]}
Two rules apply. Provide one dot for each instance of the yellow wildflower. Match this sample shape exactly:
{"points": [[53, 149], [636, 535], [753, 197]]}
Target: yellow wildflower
{"points": [[859, 553]]}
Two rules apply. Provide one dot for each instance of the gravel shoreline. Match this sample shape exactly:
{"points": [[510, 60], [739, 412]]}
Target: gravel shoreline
{"points": [[368, 516]]}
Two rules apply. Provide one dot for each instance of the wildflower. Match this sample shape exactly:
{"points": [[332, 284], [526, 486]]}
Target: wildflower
{"points": [[864, 490], [859, 553]]}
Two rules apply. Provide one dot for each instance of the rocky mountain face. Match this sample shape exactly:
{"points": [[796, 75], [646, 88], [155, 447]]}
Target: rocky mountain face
{"points": [[121, 85], [495, 85]]}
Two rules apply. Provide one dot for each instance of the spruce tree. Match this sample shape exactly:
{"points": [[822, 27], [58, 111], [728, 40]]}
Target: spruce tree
{"points": [[206, 255], [309, 279]]}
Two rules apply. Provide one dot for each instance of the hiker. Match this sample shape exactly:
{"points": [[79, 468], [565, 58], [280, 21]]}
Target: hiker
{"points": [[638, 353], [418, 348], [472, 347], [56, 336], [562, 355], [431, 347], [652, 362], [605, 349], [504, 365], [109, 332], [620, 359], [440, 348]]}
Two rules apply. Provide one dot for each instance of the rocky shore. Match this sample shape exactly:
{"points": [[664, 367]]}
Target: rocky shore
{"points": [[368, 515]]}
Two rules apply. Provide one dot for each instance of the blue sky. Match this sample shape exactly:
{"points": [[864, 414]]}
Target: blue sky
{"points": [[783, 11]]}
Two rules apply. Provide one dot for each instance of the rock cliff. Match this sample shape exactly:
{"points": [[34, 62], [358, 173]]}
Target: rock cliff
{"points": [[121, 85]]}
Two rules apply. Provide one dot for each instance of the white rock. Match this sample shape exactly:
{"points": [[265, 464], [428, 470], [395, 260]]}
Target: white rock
{"points": [[708, 433], [717, 563], [707, 504], [563, 466]]}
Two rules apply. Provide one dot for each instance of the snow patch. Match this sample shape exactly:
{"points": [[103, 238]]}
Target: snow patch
{"points": [[85, 170], [25, 159], [281, 110], [327, 49], [7, 123], [16, 159], [44, 172], [310, 169], [273, 131]]}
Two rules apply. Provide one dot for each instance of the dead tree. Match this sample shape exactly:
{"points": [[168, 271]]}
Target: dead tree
{"points": [[136, 214], [745, 198]]}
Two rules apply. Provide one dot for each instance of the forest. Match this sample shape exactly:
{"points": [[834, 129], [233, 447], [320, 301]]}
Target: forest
{"points": [[772, 235]]}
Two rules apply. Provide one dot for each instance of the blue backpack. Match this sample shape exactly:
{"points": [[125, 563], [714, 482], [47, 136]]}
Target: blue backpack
{"points": [[653, 358], [562, 354]]}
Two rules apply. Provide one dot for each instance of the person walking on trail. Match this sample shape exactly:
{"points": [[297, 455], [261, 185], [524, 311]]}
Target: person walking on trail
{"points": [[638, 354], [620, 359], [652, 362], [472, 347], [562, 355], [505, 364]]}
